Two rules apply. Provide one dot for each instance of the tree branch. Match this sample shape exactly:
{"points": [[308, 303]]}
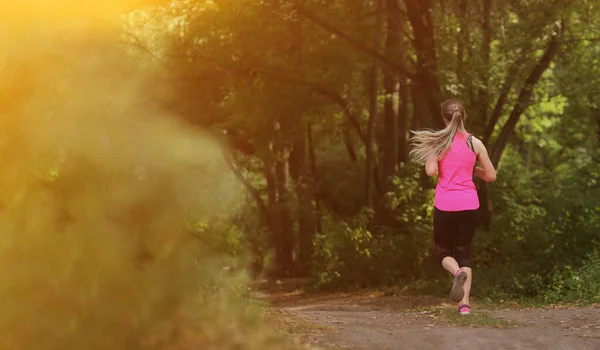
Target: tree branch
{"points": [[511, 77], [525, 94], [354, 42], [262, 207], [314, 87], [320, 90]]}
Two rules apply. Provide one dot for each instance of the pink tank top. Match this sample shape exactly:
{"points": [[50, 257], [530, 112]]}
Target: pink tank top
{"points": [[455, 190]]}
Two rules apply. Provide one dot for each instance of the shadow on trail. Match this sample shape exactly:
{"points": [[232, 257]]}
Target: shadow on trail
{"points": [[289, 294]]}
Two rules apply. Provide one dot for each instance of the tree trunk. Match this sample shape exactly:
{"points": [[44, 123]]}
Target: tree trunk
{"points": [[304, 184], [284, 203], [426, 80], [372, 85], [403, 124], [461, 39], [596, 116], [349, 145], [486, 26], [370, 156], [417, 122], [280, 201], [274, 217], [390, 83], [315, 177], [418, 119]]}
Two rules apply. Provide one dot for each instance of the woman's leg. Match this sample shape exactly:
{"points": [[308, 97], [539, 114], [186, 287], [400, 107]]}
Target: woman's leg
{"points": [[466, 230], [450, 265], [467, 287], [445, 229]]}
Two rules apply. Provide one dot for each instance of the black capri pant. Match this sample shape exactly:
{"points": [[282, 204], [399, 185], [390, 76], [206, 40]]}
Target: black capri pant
{"points": [[453, 233]]}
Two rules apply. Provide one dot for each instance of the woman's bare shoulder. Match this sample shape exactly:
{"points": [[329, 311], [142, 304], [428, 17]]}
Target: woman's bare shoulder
{"points": [[477, 144], [476, 140]]}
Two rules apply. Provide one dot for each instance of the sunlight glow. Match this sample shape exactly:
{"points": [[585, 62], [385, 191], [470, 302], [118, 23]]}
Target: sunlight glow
{"points": [[61, 12]]}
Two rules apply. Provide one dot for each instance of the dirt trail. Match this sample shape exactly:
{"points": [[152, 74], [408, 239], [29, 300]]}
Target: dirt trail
{"points": [[375, 321]]}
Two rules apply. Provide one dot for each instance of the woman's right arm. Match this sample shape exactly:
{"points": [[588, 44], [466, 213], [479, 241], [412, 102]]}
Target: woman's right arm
{"points": [[487, 172], [431, 167]]}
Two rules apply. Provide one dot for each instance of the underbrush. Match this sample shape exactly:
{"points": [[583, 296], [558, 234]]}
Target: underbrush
{"points": [[580, 285]]}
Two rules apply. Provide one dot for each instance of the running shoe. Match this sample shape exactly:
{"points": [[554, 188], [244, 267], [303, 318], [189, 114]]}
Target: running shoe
{"points": [[464, 309], [458, 292]]}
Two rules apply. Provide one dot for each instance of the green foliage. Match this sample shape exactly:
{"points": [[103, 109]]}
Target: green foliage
{"points": [[580, 285], [356, 253], [544, 221]]}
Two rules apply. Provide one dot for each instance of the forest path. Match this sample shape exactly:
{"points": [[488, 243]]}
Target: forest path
{"points": [[376, 321]]}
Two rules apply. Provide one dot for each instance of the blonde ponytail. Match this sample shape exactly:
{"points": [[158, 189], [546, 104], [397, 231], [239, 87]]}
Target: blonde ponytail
{"points": [[428, 144]]}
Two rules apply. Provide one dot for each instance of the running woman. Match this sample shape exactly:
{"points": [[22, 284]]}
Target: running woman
{"points": [[452, 153]]}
